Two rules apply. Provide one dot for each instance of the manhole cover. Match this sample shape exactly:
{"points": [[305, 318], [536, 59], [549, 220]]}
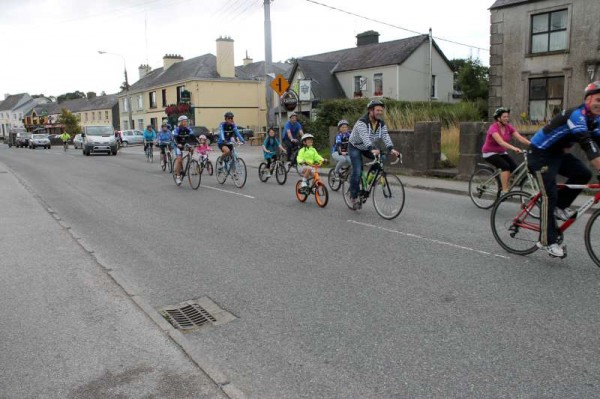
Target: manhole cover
{"points": [[191, 315]]}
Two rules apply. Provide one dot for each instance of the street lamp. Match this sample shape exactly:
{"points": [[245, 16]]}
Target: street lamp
{"points": [[129, 104]]}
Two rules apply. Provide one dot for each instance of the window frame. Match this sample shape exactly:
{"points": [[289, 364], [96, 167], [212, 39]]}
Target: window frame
{"points": [[378, 80], [549, 32], [179, 90], [152, 100], [547, 98], [433, 92]]}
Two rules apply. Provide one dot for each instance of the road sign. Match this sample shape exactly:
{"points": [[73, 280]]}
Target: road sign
{"points": [[280, 84]]}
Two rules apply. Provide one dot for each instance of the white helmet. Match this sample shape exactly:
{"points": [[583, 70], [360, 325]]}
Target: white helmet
{"points": [[202, 137], [306, 136], [182, 118]]}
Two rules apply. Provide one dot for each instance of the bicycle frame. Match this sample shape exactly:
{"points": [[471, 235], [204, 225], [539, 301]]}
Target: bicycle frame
{"points": [[377, 164], [518, 176]]}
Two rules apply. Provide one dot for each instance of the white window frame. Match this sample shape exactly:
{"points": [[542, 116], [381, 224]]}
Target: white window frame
{"points": [[567, 30]]}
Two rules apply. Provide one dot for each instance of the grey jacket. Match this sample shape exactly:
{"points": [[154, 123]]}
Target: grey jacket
{"points": [[363, 136]]}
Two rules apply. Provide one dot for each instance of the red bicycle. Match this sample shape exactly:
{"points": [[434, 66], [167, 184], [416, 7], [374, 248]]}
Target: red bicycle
{"points": [[516, 223]]}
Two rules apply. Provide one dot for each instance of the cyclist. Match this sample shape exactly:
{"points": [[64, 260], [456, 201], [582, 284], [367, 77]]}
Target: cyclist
{"points": [[339, 151], [367, 129], [182, 135], [550, 157], [291, 131], [203, 148], [497, 141], [270, 147], [308, 156], [228, 133], [165, 137], [149, 137], [65, 137]]}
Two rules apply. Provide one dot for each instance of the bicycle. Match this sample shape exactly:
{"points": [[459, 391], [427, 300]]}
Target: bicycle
{"points": [[277, 166], [166, 159], [191, 169], [335, 182], [65, 145], [288, 162], [149, 152], [234, 166], [485, 186], [205, 164], [517, 230], [314, 186], [387, 189]]}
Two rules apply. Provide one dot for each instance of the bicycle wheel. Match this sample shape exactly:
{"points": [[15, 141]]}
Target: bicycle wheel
{"points": [[209, 168], [592, 237], [194, 174], [221, 172], [175, 178], [280, 174], [163, 164], [388, 196], [239, 173], [484, 188], [299, 194], [333, 181], [513, 225], [530, 186], [263, 172], [321, 194], [151, 154], [169, 162], [346, 192]]}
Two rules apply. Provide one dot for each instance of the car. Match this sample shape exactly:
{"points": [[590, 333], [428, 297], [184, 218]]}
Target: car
{"points": [[23, 140], [39, 140], [77, 142], [203, 130], [99, 138], [246, 133], [132, 137]]}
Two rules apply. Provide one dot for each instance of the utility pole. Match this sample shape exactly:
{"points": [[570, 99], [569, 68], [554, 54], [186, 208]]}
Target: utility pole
{"points": [[130, 123], [268, 63]]}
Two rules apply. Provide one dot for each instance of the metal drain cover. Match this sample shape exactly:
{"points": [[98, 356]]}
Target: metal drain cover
{"points": [[191, 315]]}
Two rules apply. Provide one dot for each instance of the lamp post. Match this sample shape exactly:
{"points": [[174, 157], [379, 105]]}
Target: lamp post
{"points": [[129, 105]]}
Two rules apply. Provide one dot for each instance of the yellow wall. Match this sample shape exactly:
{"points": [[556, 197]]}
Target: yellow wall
{"points": [[95, 121]]}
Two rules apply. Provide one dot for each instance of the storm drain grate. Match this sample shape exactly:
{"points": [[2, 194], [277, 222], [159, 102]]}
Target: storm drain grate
{"points": [[191, 315]]}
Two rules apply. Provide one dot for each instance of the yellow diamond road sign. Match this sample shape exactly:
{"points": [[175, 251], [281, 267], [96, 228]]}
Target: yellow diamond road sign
{"points": [[280, 84]]}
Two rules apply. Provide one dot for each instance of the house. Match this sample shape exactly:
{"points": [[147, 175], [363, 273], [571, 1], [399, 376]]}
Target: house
{"points": [[542, 55], [402, 69], [12, 110]]}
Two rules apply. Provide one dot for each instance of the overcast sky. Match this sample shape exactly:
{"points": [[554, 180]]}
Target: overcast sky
{"points": [[51, 46]]}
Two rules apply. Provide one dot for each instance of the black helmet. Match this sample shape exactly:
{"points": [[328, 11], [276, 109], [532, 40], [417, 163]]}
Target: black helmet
{"points": [[375, 102], [228, 115], [499, 111], [592, 88]]}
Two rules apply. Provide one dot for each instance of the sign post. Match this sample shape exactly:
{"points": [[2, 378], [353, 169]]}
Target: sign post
{"points": [[280, 84]]}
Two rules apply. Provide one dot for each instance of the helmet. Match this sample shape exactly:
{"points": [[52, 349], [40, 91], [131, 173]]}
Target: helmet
{"points": [[343, 122], [375, 102], [182, 118], [306, 136], [500, 111], [228, 115], [293, 114], [592, 88], [202, 137]]}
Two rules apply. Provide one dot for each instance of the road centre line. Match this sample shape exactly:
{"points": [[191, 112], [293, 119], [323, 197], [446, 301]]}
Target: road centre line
{"points": [[227, 191], [428, 239]]}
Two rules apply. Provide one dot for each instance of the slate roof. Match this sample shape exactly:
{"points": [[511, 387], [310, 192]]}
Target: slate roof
{"points": [[324, 83], [374, 55], [510, 3], [257, 69], [12, 101], [78, 105]]}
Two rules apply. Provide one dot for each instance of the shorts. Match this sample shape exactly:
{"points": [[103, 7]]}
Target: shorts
{"points": [[228, 145]]}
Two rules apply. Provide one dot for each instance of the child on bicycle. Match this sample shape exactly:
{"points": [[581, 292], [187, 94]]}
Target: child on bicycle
{"points": [[339, 151], [165, 137], [270, 147], [203, 148], [308, 157]]}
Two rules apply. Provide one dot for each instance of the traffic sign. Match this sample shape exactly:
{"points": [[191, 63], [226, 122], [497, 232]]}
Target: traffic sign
{"points": [[280, 84]]}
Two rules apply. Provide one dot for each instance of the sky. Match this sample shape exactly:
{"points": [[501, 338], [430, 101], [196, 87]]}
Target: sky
{"points": [[51, 47]]}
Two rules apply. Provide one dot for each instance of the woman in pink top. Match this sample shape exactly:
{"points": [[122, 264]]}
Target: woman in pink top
{"points": [[497, 141]]}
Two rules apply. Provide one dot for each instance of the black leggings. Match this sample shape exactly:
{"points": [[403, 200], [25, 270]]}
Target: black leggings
{"points": [[503, 162]]}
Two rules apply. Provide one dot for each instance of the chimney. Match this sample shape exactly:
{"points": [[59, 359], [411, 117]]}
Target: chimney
{"points": [[247, 60], [144, 70], [368, 37], [170, 60], [225, 67]]}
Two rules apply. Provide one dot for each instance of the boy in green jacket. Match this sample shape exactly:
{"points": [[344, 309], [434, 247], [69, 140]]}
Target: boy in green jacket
{"points": [[308, 157]]}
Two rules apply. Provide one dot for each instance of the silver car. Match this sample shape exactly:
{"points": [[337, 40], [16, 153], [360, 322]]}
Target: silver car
{"points": [[131, 137], [39, 140], [77, 142]]}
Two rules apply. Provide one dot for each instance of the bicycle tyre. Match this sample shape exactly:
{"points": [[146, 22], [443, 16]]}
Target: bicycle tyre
{"points": [[221, 172], [163, 165], [593, 237], [175, 179], [484, 188], [346, 192], [239, 175], [194, 174], [334, 182], [532, 189], [300, 196], [388, 196], [517, 238], [280, 174], [209, 168], [170, 162], [262, 171], [151, 155], [321, 194]]}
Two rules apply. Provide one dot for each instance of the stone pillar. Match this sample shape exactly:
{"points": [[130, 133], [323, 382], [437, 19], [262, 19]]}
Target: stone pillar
{"points": [[496, 60], [472, 135]]}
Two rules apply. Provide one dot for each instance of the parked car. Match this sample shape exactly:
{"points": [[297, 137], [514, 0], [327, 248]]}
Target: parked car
{"points": [[132, 137], [23, 139], [99, 138], [199, 130], [246, 133], [39, 140], [77, 142], [12, 135]]}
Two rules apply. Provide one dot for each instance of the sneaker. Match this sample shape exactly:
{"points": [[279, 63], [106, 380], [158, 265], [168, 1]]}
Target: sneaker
{"points": [[178, 180], [355, 203], [554, 250], [563, 214]]}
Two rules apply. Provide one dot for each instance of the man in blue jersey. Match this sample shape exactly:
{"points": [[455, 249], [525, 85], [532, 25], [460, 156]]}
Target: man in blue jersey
{"points": [[549, 157], [292, 131]]}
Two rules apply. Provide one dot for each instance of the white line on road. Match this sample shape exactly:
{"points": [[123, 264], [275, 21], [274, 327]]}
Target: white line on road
{"points": [[227, 191], [428, 239]]}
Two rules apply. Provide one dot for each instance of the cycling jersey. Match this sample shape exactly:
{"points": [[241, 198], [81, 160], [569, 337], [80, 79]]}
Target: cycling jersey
{"points": [[309, 155], [165, 137], [65, 137], [149, 135], [271, 144], [491, 146], [341, 143], [182, 135], [227, 132], [364, 134], [294, 128]]}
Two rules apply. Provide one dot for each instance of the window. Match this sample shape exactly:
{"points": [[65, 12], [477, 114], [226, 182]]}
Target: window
{"points": [[179, 90], [433, 87], [140, 124], [86, 116], [99, 115], [549, 32], [125, 124], [93, 116], [154, 122], [140, 102], [545, 97], [126, 104], [164, 97], [152, 99], [106, 115], [360, 84], [378, 84]]}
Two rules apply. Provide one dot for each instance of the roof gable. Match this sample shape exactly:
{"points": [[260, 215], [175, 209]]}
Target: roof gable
{"points": [[324, 83], [510, 3], [14, 101]]}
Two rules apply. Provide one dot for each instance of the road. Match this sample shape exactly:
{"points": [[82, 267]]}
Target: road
{"points": [[328, 302]]}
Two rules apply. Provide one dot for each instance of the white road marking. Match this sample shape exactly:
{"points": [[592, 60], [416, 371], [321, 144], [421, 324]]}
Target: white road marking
{"points": [[428, 239], [227, 191]]}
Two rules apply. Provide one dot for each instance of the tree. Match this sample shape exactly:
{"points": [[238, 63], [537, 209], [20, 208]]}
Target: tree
{"points": [[70, 121], [471, 78], [70, 96]]}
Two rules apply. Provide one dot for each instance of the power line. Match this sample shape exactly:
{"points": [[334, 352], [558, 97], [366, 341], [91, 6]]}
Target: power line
{"points": [[251, 4], [394, 26]]}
